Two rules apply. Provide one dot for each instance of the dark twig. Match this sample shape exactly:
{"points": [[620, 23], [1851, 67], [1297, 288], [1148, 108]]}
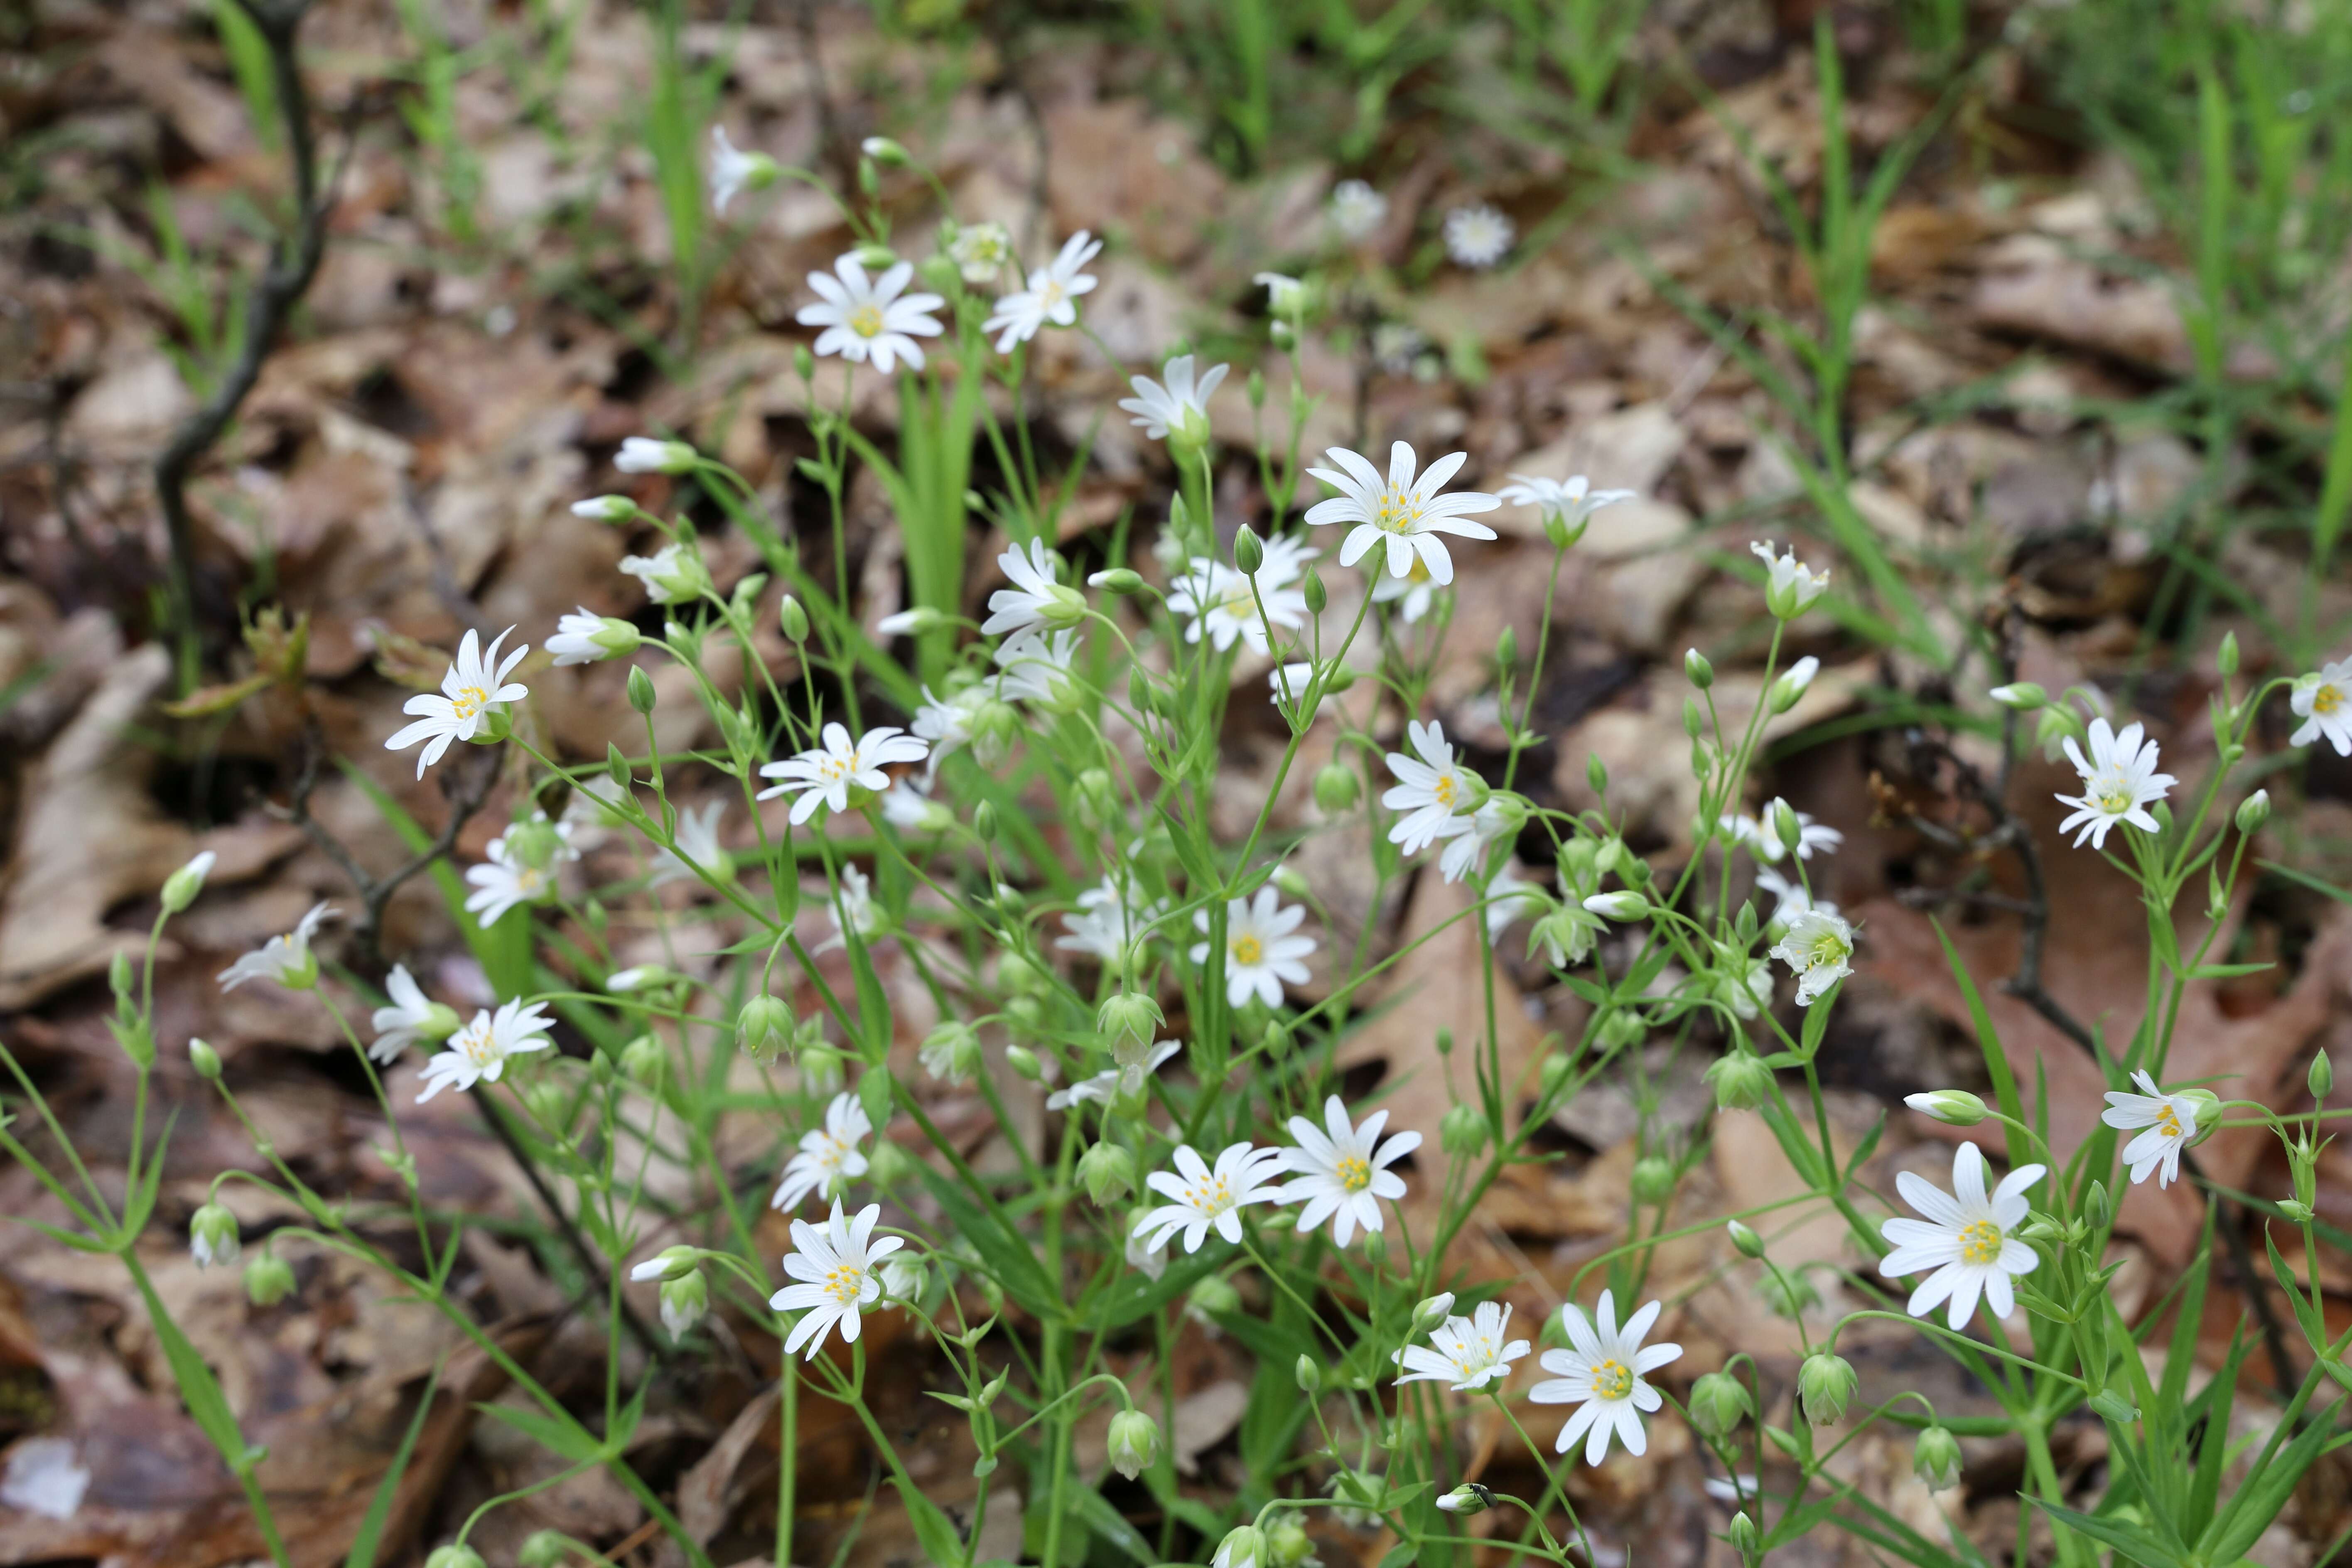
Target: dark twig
{"points": [[293, 262]]}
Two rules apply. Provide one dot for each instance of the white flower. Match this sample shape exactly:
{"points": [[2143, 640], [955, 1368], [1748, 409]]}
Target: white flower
{"points": [[412, 1016], [1050, 298], [946, 722], [1789, 897], [1568, 503], [671, 575], [1103, 1087], [824, 775], [1510, 900], [836, 1267], [1602, 1374], [734, 171], [1109, 921], [1404, 514], [1343, 1170], [1261, 953], [1465, 1353], [1760, 839], [1285, 295], [503, 882], [1039, 666], [1467, 849], [650, 455], [583, 639], [2324, 703], [1150, 1256], [1965, 1238], [478, 1052], [2168, 1124], [1428, 791], [1818, 947], [1792, 586], [2119, 780], [1356, 209], [1199, 1197], [473, 690], [1180, 406], [1223, 605], [1034, 599], [698, 845], [828, 1156], [44, 1478], [870, 318], [1416, 588], [853, 911], [286, 959], [980, 251], [636, 977], [1477, 235], [596, 804], [905, 806]]}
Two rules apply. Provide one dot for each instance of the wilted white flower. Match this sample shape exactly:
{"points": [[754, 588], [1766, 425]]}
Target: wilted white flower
{"points": [[672, 575], [1200, 1198], [2167, 1125], [1818, 947], [503, 882], [828, 1158], [1343, 1170], [584, 638], [824, 775], [1965, 1238], [1102, 1088], [872, 319], [1050, 298], [2323, 702], [853, 909], [1466, 1353], [478, 1052], [1604, 1373], [1261, 953], [980, 251], [286, 959], [2119, 781], [1182, 405], [837, 1267], [1466, 847], [1356, 209], [1477, 235], [1109, 921], [412, 1016], [474, 692], [1403, 515], [1039, 666]]}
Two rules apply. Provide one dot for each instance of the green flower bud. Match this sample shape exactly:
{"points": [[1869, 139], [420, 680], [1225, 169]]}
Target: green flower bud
{"points": [[1316, 594], [1213, 1296], [641, 689], [1462, 1131], [1740, 1533], [1741, 1081], [1935, 1459], [1953, 1107], [1287, 1545], [1694, 723], [1700, 672], [180, 888], [1744, 1238], [2321, 1079], [2023, 696], [1719, 1403], [1310, 1377], [1432, 1311], [2226, 660], [1652, 1180], [1242, 1547], [1790, 687], [1107, 1173], [2295, 1209], [1825, 1383], [1557, 1069], [454, 1557], [2098, 1207], [1249, 551], [1023, 1061], [763, 1026], [1467, 1498], [1621, 906], [213, 1235], [1623, 1028], [2253, 811], [544, 1549], [792, 619], [120, 977], [644, 1059], [268, 1280], [1338, 788], [2209, 1110], [1130, 1014], [684, 1300], [1596, 773], [1134, 1443], [204, 1060]]}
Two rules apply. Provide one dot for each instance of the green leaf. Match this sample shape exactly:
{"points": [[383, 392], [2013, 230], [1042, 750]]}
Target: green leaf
{"points": [[2132, 1543], [379, 1513], [1109, 1525], [198, 1387], [559, 1436], [1008, 1255], [934, 1530], [2004, 1082]]}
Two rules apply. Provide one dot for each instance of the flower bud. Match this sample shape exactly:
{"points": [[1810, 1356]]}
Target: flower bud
{"points": [[2209, 1110], [1741, 1081], [2110, 1405], [1935, 1459], [454, 1557], [1242, 1547], [1134, 1443], [1623, 1027], [1318, 596], [544, 1549], [180, 888], [642, 1060], [1108, 1171], [1249, 551], [1953, 1107], [204, 1060], [764, 1025], [2295, 1209], [683, 1302], [1696, 667], [1740, 1534], [1213, 1296], [213, 1235], [1791, 686], [650, 455], [2023, 696], [1825, 1383], [1744, 1237], [1462, 1131], [792, 619], [1719, 1403], [1553, 1075], [1694, 725], [1432, 1311], [1338, 788], [1467, 1498], [1023, 1061], [641, 689], [1620, 906], [268, 1280], [605, 508], [1652, 1180], [2226, 659], [1130, 1014], [1308, 1375], [2098, 1207], [2253, 811], [2321, 1079]]}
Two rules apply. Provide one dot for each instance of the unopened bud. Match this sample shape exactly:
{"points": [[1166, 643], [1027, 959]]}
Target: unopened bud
{"points": [[1432, 1311], [1694, 723], [791, 620], [2023, 696], [1023, 1061], [544, 1549], [1120, 580], [1696, 667], [1622, 905], [1243, 1548], [1825, 1383], [268, 1280], [1462, 1131], [1791, 686], [1107, 1173], [1596, 773], [1741, 1081], [642, 1060], [1954, 1107], [180, 888], [1935, 1459], [2226, 660], [204, 1060], [1744, 1238], [1652, 1180], [1134, 1443], [1338, 788], [454, 1557], [1249, 551], [1316, 594], [641, 689], [1719, 1402], [1467, 1498], [1213, 1296], [2253, 811], [1310, 1377], [684, 1300], [1740, 1534], [2321, 1079]]}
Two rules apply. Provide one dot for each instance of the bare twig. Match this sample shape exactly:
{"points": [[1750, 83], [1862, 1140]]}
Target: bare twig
{"points": [[293, 262]]}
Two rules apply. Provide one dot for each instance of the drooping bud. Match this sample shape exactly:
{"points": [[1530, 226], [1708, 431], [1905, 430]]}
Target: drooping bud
{"points": [[2023, 696], [644, 1059], [268, 1280], [1108, 1171], [213, 1235], [1462, 1131], [1212, 1297], [454, 1557], [1243, 1548], [1621, 905], [1652, 1180], [684, 1300], [1024, 1062], [1719, 1402], [1825, 1383], [1338, 788], [1936, 1458], [1953, 1107], [1467, 1498], [1744, 1238], [1134, 1443], [544, 1549], [1741, 1081], [1130, 1014]]}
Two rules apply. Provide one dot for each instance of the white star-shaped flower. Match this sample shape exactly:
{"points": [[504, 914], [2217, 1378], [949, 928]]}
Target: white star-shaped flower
{"points": [[286, 959], [839, 1270], [1818, 948], [2167, 1125], [1100, 1088], [1034, 599], [1477, 235], [1181, 405], [1261, 953], [1199, 1197], [824, 775], [1468, 1354], [829, 1157], [1429, 790], [1965, 1239], [1403, 514], [478, 1052], [1050, 298], [870, 318], [1356, 209], [2323, 702], [1567, 501], [1603, 1372], [1343, 1170], [474, 688], [2119, 781]]}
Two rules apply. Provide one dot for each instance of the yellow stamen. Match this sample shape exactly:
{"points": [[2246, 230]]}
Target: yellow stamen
{"points": [[1247, 949], [1981, 1242], [1611, 1379], [866, 322], [843, 1282], [1354, 1173]]}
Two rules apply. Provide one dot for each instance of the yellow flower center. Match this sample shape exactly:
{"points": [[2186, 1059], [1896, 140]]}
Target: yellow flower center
{"points": [[1611, 1379], [477, 1044], [844, 1283], [1826, 951], [2168, 1124], [2111, 796], [1397, 512], [1472, 1354], [1443, 790], [1050, 293], [1355, 1173], [1247, 949], [2327, 700], [839, 767], [470, 701], [1212, 1194], [866, 322], [1981, 1242]]}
